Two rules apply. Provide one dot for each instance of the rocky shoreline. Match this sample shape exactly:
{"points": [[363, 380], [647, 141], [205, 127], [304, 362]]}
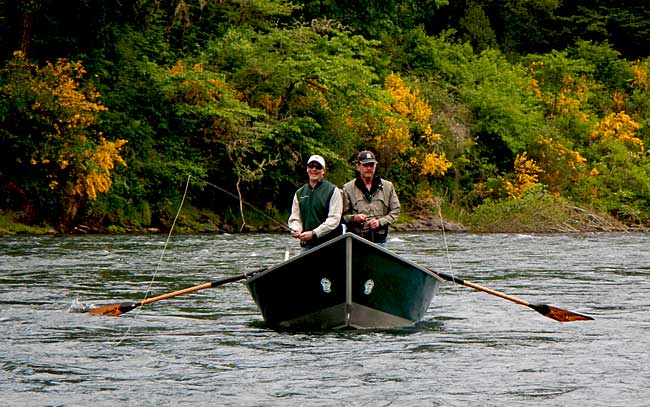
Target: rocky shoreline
{"points": [[422, 223]]}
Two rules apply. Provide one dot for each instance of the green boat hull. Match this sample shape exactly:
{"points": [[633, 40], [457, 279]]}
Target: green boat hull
{"points": [[346, 283]]}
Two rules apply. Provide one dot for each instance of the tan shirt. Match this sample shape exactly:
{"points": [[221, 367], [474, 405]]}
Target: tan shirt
{"points": [[383, 205]]}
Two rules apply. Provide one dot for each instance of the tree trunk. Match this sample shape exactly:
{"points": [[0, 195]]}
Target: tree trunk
{"points": [[24, 19], [241, 205]]}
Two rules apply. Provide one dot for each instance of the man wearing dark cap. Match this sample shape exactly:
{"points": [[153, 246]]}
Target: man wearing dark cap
{"points": [[370, 203], [316, 209]]}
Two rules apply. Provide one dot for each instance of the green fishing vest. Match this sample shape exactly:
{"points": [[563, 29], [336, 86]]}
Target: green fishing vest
{"points": [[314, 203]]}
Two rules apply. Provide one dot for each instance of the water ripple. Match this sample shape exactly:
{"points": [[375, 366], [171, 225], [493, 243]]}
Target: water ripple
{"points": [[211, 347]]}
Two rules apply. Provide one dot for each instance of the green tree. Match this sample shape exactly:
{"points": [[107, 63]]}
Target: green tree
{"points": [[625, 24], [374, 19], [209, 113], [308, 82]]}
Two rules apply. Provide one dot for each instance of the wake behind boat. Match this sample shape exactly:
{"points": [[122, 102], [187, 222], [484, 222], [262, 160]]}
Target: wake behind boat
{"points": [[345, 283]]}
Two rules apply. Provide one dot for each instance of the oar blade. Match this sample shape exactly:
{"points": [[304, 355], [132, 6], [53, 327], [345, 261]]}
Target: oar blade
{"points": [[115, 310], [559, 314]]}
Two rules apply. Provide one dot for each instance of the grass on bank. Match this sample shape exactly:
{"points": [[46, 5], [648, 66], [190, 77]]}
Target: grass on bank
{"points": [[10, 225], [538, 211]]}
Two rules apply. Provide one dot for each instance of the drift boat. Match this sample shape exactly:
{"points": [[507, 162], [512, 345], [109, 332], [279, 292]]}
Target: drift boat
{"points": [[345, 283]]}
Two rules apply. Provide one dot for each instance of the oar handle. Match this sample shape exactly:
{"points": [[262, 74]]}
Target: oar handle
{"points": [[211, 284], [481, 288], [177, 293], [548, 311], [114, 310]]}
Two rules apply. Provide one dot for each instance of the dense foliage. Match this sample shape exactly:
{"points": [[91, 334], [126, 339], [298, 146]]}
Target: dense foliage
{"points": [[107, 107]]}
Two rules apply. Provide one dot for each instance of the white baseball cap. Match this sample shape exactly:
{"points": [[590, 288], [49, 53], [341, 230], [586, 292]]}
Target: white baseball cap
{"points": [[318, 159]]}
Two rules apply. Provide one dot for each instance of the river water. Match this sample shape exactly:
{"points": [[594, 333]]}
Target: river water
{"points": [[211, 348]]}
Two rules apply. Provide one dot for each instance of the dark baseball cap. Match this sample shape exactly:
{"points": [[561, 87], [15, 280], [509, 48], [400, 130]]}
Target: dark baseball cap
{"points": [[366, 157]]}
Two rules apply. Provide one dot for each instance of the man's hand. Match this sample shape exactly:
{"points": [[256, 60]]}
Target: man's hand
{"points": [[370, 223], [303, 236], [359, 217], [373, 223]]}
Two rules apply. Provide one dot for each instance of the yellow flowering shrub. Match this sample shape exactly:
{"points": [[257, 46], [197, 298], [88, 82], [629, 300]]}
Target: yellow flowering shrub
{"points": [[71, 154], [270, 104], [406, 102], [410, 113], [560, 164], [98, 177], [640, 75], [434, 164], [396, 137], [571, 98], [619, 100], [621, 127], [526, 174]]}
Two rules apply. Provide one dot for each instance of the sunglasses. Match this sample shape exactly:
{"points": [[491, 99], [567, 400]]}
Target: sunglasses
{"points": [[315, 165]]}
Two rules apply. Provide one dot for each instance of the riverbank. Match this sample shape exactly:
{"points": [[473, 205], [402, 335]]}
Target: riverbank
{"points": [[534, 212], [574, 220]]}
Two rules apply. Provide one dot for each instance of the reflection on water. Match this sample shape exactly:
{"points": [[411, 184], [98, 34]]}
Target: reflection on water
{"points": [[211, 347]]}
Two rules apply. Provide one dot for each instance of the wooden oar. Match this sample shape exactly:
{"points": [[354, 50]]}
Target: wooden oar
{"points": [[114, 310], [549, 311]]}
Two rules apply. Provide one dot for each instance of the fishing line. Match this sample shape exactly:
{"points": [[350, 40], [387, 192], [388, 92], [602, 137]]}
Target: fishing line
{"points": [[253, 207], [162, 254], [287, 252], [444, 238], [171, 230]]}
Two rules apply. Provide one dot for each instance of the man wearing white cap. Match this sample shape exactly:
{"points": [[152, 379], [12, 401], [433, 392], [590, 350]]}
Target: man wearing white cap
{"points": [[370, 203], [317, 207]]}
